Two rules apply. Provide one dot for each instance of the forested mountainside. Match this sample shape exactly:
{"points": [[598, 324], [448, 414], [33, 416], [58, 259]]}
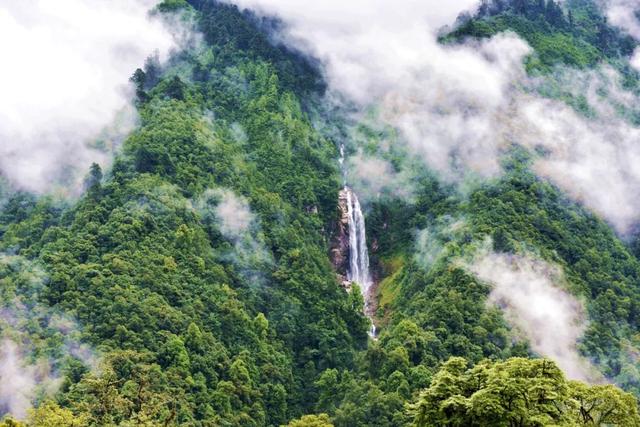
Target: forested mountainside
{"points": [[192, 283], [198, 266], [574, 32]]}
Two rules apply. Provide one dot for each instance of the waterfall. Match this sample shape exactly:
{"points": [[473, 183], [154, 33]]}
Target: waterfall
{"points": [[358, 253], [358, 271]]}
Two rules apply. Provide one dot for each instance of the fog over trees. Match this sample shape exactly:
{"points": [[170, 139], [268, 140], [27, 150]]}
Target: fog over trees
{"points": [[176, 248]]}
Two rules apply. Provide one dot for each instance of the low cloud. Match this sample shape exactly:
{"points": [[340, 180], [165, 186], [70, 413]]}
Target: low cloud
{"points": [[232, 216], [65, 95], [431, 243], [29, 362], [233, 213], [17, 381], [622, 14], [372, 177], [444, 99], [531, 293], [461, 108]]}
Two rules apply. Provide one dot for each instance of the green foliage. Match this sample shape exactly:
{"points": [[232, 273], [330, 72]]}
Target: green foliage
{"points": [[235, 35], [321, 420], [198, 327], [49, 414], [529, 213], [519, 392], [433, 309], [575, 34], [188, 336], [172, 5]]}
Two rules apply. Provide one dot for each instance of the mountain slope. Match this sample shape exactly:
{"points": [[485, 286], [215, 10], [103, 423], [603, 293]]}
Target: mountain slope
{"points": [[191, 284], [235, 324]]}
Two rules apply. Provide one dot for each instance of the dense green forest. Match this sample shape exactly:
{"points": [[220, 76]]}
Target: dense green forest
{"points": [[193, 282], [573, 33]]}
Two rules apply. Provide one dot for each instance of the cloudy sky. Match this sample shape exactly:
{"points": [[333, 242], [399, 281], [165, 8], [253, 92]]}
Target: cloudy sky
{"points": [[64, 78]]}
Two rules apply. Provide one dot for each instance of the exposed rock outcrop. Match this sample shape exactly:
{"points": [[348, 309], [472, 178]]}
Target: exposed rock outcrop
{"points": [[340, 241]]}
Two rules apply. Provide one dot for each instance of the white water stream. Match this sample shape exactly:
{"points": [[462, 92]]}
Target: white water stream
{"points": [[358, 253]]}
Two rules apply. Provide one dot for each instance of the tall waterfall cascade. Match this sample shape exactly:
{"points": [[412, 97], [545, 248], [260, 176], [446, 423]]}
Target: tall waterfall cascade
{"points": [[358, 268], [358, 252]]}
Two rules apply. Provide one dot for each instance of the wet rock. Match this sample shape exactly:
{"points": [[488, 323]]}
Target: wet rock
{"points": [[340, 240]]}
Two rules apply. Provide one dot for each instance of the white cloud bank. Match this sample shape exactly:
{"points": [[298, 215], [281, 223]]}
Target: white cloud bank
{"points": [[17, 381], [461, 107], [550, 318], [64, 78], [621, 13]]}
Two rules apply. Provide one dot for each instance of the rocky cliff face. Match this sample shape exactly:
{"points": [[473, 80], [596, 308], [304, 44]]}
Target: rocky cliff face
{"points": [[340, 241]]}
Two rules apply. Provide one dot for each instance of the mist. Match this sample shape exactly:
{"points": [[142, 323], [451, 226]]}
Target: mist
{"points": [[66, 99], [232, 216], [431, 244], [233, 213], [531, 293], [462, 108], [373, 177], [621, 13], [36, 340], [17, 381]]}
